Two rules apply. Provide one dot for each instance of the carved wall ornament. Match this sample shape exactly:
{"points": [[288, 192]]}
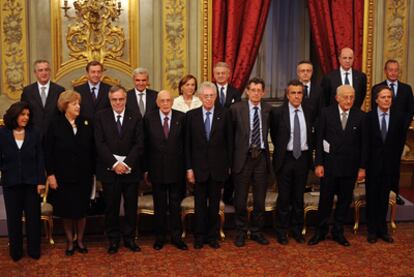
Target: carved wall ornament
{"points": [[13, 47]]}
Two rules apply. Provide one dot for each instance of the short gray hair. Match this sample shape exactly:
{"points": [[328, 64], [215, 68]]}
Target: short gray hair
{"points": [[341, 88], [140, 70], [207, 84]]}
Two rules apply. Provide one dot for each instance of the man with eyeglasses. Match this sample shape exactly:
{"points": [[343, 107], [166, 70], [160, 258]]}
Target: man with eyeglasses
{"points": [[120, 143]]}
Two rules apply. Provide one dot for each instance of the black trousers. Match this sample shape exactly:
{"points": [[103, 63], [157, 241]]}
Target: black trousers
{"points": [[228, 190], [21, 199], [343, 187], [254, 172], [207, 204], [167, 201], [112, 195], [291, 180], [377, 197]]}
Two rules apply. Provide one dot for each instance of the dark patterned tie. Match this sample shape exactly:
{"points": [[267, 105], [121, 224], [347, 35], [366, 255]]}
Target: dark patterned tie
{"points": [[392, 85], [256, 128], [165, 127], [306, 94], [346, 78], [118, 123], [207, 125], [93, 94], [222, 96], [296, 136], [383, 127]]}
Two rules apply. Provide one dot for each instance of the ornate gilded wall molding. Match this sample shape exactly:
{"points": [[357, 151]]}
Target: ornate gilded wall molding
{"points": [[174, 33], [396, 33], [13, 44], [206, 33], [93, 34], [368, 48]]}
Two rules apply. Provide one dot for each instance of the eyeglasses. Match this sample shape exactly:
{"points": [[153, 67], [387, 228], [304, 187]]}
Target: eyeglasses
{"points": [[117, 99]]}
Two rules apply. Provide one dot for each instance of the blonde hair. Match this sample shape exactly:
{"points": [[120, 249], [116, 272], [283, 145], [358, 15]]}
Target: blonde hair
{"points": [[66, 97]]}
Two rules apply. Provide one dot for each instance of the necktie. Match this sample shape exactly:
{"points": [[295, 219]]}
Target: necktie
{"points": [[207, 125], [256, 128], [222, 96], [392, 85], [296, 136], [165, 127], [141, 103], [344, 119], [383, 127], [43, 95], [306, 94], [346, 78], [118, 123], [93, 94]]}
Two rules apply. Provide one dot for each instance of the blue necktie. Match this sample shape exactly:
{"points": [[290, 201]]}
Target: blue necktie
{"points": [[207, 125], [118, 123], [256, 128], [346, 78], [296, 136], [392, 85], [222, 96], [383, 127]]}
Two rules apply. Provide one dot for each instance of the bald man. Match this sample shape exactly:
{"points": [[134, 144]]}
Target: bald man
{"points": [[345, 75], [164, 167]]}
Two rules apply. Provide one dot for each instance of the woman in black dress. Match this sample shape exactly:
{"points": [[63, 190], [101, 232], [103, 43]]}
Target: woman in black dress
{"points": [[22, 178], [69, 165]]}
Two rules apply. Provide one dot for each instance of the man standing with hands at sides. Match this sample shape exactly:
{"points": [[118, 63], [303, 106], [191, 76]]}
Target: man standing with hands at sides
{"points": [[42, 96], [94, 93], [164, 156], [120, 143], [208, 148], [341, 153], [402, 102], [251, 160], [345, 75], [141, 99], [291, 132], [227, 96], [385, 134]]}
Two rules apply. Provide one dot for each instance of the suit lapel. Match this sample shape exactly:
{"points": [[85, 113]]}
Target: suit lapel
{"points": [[174, 124], [125, 124], [217, 117], [36, 95], [100, 94], [286, 118], [355, 79], [264, 121], [245, 115]]}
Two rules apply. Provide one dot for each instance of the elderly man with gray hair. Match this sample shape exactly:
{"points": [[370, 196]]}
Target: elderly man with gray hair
{"points": [[208, 149], [141, 100]]}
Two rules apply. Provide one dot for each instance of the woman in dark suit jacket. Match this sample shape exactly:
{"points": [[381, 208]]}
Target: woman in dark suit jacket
{"points": [[22, 178], [69, 164]]}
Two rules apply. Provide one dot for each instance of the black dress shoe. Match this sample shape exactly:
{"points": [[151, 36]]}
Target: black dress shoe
{"points": [[387, 238], [16, 257], [180, 244], [282, 239], [317, 238], [113, 247], [372, 238], [341, 240], [131, 245], [70, 251], [80, 249], [298, 237], [158, 245], [259, 238], [399, 200], [240, 240], [214, 244], [34, 256]]}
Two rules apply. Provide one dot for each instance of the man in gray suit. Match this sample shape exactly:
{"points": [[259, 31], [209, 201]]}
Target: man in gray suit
{"points": [[251, 160]]}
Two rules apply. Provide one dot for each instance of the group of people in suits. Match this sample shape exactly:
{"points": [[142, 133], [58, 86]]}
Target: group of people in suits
{"points": [[212, 141]]}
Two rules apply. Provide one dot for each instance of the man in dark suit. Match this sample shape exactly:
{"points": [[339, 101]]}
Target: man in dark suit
{"points": [[94, 93], [208, 146], [385, 134], [227, 96], [345, 75], [42, 96], [141, 99], [340, 161], [291, 132], [251, 160], [164, 156], [120, 143], [312, 92], [403, 102]]}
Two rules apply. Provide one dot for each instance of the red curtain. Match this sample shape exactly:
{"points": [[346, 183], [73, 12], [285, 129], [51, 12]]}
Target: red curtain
{"points": [[238, 28], [336, 24]]}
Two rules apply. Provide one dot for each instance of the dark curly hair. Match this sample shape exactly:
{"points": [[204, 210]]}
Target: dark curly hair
{"points": [[13, 112]]}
